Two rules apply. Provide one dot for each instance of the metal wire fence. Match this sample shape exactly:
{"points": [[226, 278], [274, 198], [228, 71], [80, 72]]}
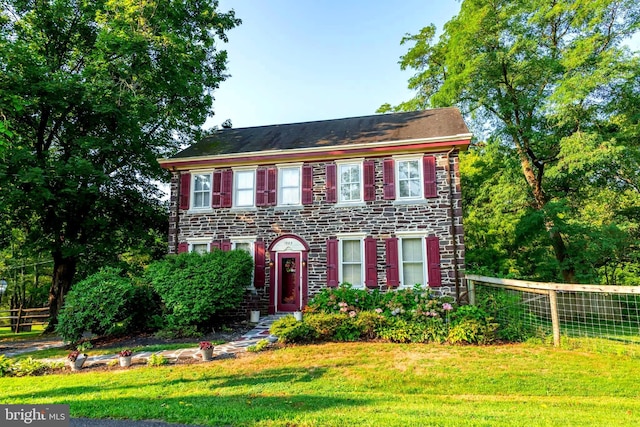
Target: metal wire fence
{"points": [[564, 311]]}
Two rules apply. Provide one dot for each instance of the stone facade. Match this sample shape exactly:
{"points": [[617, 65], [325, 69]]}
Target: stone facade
{"points": [[380, 219]]}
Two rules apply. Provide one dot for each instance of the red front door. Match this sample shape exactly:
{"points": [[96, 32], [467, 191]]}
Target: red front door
{"points": [[288, 281]]}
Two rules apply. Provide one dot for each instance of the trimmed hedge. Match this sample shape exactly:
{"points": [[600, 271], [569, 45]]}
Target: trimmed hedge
{"points": [[194, 287]]}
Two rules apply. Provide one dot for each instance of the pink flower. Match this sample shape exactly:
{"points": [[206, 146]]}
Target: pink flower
{"points": [[352, 313], [378, 310], [446, 306], [343, 309]]}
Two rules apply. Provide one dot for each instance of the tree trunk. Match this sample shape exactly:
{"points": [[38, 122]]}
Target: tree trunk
{"points": [[557, 242], [64, 268]]}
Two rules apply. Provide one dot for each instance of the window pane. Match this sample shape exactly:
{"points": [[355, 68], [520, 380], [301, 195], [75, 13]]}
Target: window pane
{"points": [[290, 196], [290, 177], [352, 273], [350, 183], [412, 274], [202, 182], [351, 251], [412, 250], [409, 180], [244, 179], [199, 248], [243, 246], [244, 198]]}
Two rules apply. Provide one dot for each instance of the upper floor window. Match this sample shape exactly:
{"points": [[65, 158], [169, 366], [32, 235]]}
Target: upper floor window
{"points": [[409, 179], [289, 187], [201, 197], [350, 182], [244, 188]]}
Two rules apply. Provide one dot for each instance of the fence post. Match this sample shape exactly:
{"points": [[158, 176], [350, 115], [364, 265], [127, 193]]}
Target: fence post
{"points": [[471, 290], [553, 305], [19, 320]]}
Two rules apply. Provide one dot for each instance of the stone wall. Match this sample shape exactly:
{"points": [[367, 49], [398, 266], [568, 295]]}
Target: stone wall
{"points": [[320, 221]]}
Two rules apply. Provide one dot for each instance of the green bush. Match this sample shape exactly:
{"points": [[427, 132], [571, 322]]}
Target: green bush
{"points": [[324, 325], [369, 323], [99, 304], [344, 299], [470, 324], [289, 330], [515, 323], [195, 287], [7, 366]]}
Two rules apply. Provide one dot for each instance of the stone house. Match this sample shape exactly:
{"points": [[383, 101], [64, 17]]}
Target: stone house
{"points": [[373, 201]]}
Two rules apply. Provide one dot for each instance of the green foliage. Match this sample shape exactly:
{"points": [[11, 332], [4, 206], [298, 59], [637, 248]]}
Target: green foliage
{"points": [[6, 366], [552, 94], [157, 360], [92, 94], [289, 330], [261, 345], [195, 287], [99, 304], [333, 300], [514, 322]]}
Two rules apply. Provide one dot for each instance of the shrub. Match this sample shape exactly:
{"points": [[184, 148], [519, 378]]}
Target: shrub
{"points": [[324, 325], [343, 299], [97, 304], [470, 324], [515, 323], [263, 344], [157, 360], [369, 323], [195, 287], [7, 366], [289, 330]]}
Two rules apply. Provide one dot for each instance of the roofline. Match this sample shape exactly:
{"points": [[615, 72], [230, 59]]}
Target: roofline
{"points": [[370, 149]]}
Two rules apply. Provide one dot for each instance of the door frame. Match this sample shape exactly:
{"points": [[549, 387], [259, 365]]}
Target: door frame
{"points": [[280, 277], [292, 245]]}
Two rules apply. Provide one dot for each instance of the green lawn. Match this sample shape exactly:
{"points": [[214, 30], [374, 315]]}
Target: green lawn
{"points": [[373, 384]]}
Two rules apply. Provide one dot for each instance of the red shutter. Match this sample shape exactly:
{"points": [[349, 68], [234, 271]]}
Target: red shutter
{"points": [[272, 186], [371, 262], [214, 245], [369, 180], [259, 273], [216, 190], [389, 177], [429, 172], [226, 187], [272, 275], [225, 245], [185, 190], [261, 187], [332, 263], [433, 262], [183, 247], [393, 272], [307, 185], [331, 183]]}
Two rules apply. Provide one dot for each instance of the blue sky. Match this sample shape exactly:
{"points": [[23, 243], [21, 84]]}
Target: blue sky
{"points": [[295, 61]]}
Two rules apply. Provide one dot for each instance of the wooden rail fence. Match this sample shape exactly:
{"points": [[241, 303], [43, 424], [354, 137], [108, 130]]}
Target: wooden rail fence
{"points": [[22, 319]]}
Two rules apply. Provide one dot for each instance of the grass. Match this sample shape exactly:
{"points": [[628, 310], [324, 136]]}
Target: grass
{"points": [[368, 384], [7, 335]]}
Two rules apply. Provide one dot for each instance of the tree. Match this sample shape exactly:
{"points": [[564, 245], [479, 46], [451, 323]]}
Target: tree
{"points": [[545, 77], [92, 94]]}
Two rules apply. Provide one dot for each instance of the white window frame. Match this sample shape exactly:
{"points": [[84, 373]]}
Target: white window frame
{"points": [[349, 162], [251, 240], [397, 161], [423, 247], [192, 190], [280, 197], [235, 198], [351, 237], [200, 241]]}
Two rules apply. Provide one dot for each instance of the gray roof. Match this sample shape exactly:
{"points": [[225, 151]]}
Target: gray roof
{"points": [[435, 123]]}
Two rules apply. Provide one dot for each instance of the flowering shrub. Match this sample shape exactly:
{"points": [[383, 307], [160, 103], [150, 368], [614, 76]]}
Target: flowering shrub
{"points": [[205, 345], [73, 355]]}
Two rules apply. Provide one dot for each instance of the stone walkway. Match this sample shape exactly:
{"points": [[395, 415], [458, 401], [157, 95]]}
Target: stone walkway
{"points": [[259, 332]]}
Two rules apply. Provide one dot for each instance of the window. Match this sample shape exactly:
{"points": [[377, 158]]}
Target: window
{"points": [[409, 179], [350, 182], [244, 185], [199, 247], [351, 262], [289, 186], [412, 259], [201, 191]]}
